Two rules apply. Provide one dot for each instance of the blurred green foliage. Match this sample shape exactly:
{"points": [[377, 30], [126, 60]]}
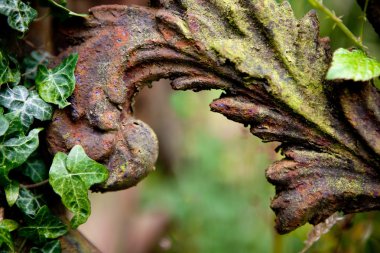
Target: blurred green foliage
{"points": [[219, 198]]}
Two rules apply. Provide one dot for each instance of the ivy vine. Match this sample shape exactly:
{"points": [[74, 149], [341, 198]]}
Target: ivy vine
{"points": [[29, 93]]}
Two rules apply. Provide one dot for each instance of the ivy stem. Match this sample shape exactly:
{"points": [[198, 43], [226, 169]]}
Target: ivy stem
{"points": [[47, 14], [319, 5], [363, 21], [70, 12], [31, 186]]}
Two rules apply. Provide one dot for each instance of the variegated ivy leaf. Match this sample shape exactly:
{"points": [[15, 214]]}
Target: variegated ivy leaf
{"points": [[7, 226], [7, 73], [29, 203], [30, 65], [50, 247], [28, 105], [35, 169], [4, 123], [19, 14], [15, 151], [12, 192], [71, 176], [43, 226], [15, 125], [56, 85]]}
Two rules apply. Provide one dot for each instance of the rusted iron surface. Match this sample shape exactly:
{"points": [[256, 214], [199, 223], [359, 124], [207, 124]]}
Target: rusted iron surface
{"points": [[329, 141]]}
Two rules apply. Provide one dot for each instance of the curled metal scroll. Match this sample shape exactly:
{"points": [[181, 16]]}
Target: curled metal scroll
{"points": [[271, 67]]}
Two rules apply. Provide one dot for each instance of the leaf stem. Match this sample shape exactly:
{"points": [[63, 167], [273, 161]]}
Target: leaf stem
{"points": [[363, 21], [319, 5], [42, 17], [69, 11], [31, 186]]}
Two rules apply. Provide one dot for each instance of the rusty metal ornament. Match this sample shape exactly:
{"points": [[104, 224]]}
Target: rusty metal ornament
{"points": [[271, 67]]}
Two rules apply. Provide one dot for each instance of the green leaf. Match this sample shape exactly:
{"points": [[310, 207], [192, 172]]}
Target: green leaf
{"points": [[8, 74], [19, 14], [29, 203], [31, 62], [28, 105], [352, 65], [43, 226], [10, 225], [56, 85], [15, 152], [6, 239], [50, 247], [71, 177], [4, 125], [12, 192], [15, 125], [7, 226], [35, 169]]}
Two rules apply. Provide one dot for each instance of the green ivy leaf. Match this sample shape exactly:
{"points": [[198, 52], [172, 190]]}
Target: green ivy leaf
{"points": [[50, 247], [30, 65], [10, 225], [7, 226], [19, 14], [15, 151], [352, 65], [35, 169], [28, 105], [12, 192], [71, 176], [43, 226], [15, 125], [8, 74], [56, 85], [4, 125], [29, 203]]}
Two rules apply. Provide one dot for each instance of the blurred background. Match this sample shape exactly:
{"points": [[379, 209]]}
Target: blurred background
{"points": [[209, 193]]}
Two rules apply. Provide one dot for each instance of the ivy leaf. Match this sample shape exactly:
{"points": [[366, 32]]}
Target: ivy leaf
{"points": [[12, 192], [4, 125], [19, 14], [15, 125], [43, 226], [28, 105], [71, 176], [15, 152], [35, 169], [7, 226], [50, 247], [8, 74], [353, 65], [10, 225], [56, 85], [30, 65], [29, 203]]}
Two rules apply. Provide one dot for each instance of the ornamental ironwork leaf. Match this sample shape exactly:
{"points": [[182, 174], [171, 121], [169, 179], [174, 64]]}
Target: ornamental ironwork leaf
{"points": [[272, 68]]}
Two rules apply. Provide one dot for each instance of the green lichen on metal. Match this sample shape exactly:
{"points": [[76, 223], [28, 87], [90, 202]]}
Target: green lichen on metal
{"points": [[265, 41]]}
